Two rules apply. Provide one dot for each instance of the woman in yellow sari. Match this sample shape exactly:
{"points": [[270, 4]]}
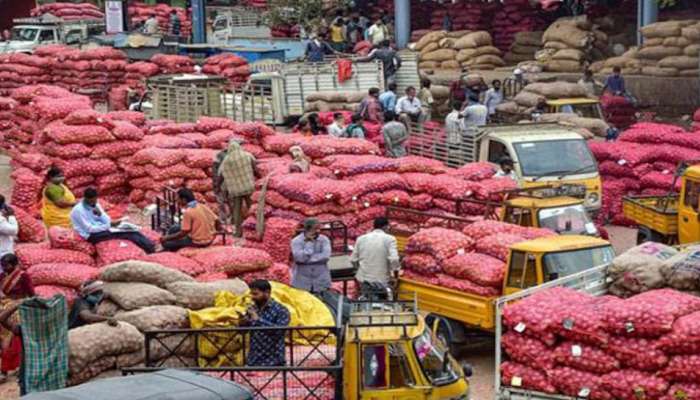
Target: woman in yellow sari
{"points": [[57, 200]]}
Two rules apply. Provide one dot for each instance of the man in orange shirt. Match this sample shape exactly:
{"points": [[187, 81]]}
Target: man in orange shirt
{"points": [[198, 228]]}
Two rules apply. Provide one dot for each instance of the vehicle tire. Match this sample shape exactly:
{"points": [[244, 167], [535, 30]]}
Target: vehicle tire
{"points": [[645, 234]]}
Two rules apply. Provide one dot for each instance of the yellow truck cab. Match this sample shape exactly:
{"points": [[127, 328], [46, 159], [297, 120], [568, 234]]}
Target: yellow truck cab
{"points": [[530, 263], [545, 154], [582, 106], [391, 354], [672, 218]]}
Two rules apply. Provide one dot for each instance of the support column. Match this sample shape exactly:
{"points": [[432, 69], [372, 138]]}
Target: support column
{"points": [[647, 13], [402, 22], [199, 22]]}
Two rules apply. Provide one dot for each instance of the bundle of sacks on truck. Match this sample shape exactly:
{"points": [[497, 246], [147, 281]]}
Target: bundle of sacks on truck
{"points": [[471, 260], [69, 11], [457, 50], [642, 161], [639, 341], [670, 48]]}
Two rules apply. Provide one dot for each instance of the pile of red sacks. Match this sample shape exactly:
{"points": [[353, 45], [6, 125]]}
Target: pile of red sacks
{"points": [[140, 12], [561, 341], [618, 110], [696, 120], [285, 31], [642, 161], [69, 11], [230, 66], [465, 16], [513, 17], [98, 69], [19, 69]]}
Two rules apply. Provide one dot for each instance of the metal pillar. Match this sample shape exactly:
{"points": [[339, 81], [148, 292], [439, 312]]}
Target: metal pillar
{"points": [[199, 22], [402, 22], [647, 13]]}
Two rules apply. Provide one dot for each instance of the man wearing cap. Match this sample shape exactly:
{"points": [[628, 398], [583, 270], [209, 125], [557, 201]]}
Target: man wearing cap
{"points": [[84, 308], [311, 252]]}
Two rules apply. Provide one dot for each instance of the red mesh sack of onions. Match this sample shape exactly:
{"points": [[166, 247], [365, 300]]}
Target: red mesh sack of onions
{"points": [[68, 151], [279, 272], [209, 124], [349, 165], [410, 275], [579, 384], [584, 322], [122, 148], [683, 368], [158, 157], [650, 314], [482, 229], [133, 117], [421, 263], [629, 384], [637, 353], [85, 134], [116, 250], [277, 238], [124, 130], [323, 146], [478, 268], [476, 171], [585, 358], [67, 239], [172, 128], [528, 351], [48, 291], [211, 277], [235, 261], [26, 191], [537, 315], [35, 161], [62, 274], [174, 172], [200, 158], [681, 391], [498, 245], [30, 229], [684, 337], [280, 144], [441, 243], [177, 262], [370, 182], [168, 142], [29, 256], [88, 117], [522, 376], [420, 164], [536, 233], [467, 286], [490, 189]]}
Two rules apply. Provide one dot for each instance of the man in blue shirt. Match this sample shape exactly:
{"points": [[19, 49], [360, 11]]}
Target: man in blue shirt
{"points": [[388, 98], [317, 48], [615, 83], [93, 224], [311, 252], [266, 345]]}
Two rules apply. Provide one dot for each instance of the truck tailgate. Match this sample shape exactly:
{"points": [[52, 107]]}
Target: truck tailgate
{"points": [[659, 213], [467, 308]]}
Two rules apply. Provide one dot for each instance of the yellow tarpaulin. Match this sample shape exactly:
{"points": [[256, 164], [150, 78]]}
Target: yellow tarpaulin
{"points": [[304, 308]]}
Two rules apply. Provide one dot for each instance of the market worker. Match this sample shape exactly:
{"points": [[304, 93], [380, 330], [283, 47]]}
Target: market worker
{"points": [[93, 224], [506, 170], [493, 97], [84, 310], [539, 110], [198, 228], [337, 35], [375, 256], [395, 136], [426, 98], [615, 83], [337, 128], [474, 114], [311, 252], [300, 161], [15, 286], [356, 130], [238, 183], [317, 48], [266, 346], [589, 83], [370, 107], [378, 33], [150, 27], [9, 228], [389, 58], [409, 108], [388, 98], [57, 200], [459, 90], [174, 23]]}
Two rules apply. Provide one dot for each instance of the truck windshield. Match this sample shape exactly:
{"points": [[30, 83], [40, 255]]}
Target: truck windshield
{"points": [[536, 159], [24, 34], [565, 263], [567, 220], [583, 110], [431, 356]]}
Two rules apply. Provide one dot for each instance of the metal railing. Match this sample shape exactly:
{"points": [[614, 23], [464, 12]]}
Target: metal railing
{"points": [[430, 141], [251, 102]]}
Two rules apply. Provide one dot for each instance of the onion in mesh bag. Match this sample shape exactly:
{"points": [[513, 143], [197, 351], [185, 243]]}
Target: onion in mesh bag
{"points": [[421, 263], [629, 384], [116, 250], [684, 337], [585, 358], [528, 351], [576, 383], [29, 256], [498, 245], [521, 376], [478, 268], [62, 274], [441, 243], [637, 353], [235, 261]]}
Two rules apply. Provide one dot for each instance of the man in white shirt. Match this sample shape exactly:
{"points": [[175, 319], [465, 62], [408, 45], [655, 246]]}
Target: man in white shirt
{"points": [[506, 170], [454, 128], [493, 97], [150, 27], [337, 128], [377, 33], [375, 256], [9, 228], [475, 113], [409, 108]]}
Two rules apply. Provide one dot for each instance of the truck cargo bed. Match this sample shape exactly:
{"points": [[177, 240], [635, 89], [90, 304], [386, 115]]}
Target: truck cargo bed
{"points": [[659, 213]]}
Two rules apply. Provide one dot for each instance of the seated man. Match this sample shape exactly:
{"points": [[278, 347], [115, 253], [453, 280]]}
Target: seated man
{"points": [[199, 224], [409, 108], [83, 312], [93, 224]]}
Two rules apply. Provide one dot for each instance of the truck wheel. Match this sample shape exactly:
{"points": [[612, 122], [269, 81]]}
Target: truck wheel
{"points": [[645, 234]]}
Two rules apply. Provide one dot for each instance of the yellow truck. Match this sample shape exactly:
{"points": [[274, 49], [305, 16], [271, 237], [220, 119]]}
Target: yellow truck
{"points": [[673, 218], [582, 106], [530, 263]]}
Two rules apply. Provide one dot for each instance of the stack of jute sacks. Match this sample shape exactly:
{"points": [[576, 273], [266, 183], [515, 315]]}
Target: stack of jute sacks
{"points": [[570, 44], [334, 101], [524, 47], [458, 50]]}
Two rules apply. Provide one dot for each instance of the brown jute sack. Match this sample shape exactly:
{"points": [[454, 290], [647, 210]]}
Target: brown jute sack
{"points": [[488, 59], [523, 49], [555, 45], [107, 308], [596, 126], [482, 67], [156, 317], [320, 96], [131, 296], [514, 58], [488, 50], [557, 90], [510, 107], [527, 99], [682, 271], [533, 39], [94, 369], [428, 64], [621, 61], [568, 34], [432, 37], [563, 66], [457, 34], [657, 71], [451, 64], [654, 42], [355, 96], [659, 52], [661, 29], [142, 271], [569, 54], [692, 51], [440, 55], [693, 73], [446, 43], [473, 40], [639, 268], [198, 295], [93, 342], [692, 33], [439, 91], [465, 54], [680, 62], [429, 48], [130, 359], [679, 41]]}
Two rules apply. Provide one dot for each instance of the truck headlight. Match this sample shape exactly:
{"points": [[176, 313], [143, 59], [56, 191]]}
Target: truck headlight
{"points": [[592, 198]]}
